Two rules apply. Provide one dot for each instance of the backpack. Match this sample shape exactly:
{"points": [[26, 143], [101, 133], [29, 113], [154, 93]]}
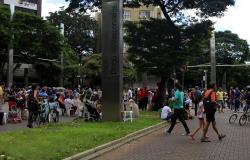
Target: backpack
{"points": [[198, 96], [209, 106], [32, 102]]}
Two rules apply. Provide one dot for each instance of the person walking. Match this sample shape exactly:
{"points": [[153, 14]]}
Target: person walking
{"points": [[145, 98], [201, 117], [197, 96], [32, 104], [220, 100], [237, 97], [231, 98], [210, 107], [178, 110]]}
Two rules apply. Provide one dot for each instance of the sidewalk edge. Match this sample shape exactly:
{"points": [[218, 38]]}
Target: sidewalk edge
{"points": [[97, 151]]}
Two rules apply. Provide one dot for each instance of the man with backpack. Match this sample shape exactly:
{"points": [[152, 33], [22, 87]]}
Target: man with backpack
{"points": [[210, 107]]}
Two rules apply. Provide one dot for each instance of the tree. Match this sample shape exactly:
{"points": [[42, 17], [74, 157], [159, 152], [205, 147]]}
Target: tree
{"points": [[80, 30], [230, 49], [91, 68], [35, 41], [49, 72], [173, 10], [170, 36], [152, 46]]}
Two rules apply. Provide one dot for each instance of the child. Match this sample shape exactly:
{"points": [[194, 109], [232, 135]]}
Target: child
{"points": [[201, 116]]}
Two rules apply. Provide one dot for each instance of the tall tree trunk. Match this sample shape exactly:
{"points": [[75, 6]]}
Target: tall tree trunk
{"points": [[162, 93]]}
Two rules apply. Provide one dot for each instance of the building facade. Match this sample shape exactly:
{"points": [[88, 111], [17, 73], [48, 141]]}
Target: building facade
{"points": [[30, 6], [142, 13]]}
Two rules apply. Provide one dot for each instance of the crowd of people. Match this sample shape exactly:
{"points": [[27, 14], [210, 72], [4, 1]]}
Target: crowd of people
{"points": [[178, 105], [206, 103], [71, 102]]}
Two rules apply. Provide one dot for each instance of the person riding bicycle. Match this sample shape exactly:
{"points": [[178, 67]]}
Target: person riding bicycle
{"points": [[32, 103], [247, 99]]}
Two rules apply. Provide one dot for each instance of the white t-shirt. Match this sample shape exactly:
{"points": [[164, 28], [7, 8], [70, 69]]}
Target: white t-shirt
{"points": [[200, 112], [189, 102], [165, 111], [130, 94], [68, 103]]}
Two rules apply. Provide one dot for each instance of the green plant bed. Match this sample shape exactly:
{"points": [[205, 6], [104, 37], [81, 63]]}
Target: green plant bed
{"points": [[59, 141]]}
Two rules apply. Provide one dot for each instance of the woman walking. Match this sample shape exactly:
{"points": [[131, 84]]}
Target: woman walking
{"points": [[201, 117]]}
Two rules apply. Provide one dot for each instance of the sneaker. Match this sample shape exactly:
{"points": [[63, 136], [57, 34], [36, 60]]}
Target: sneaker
{"points": [[222, 136], [205, 140], [185, 134]]}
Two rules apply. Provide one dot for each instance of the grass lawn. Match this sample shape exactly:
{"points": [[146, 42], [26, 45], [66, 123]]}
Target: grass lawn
{"points": [[59, 141]]}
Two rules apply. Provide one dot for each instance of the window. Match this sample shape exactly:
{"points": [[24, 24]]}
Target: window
{"points": [[127, 15], [143, 15]]}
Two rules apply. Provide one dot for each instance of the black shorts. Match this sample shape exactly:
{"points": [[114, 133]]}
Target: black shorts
{"points": [[210, 116]]}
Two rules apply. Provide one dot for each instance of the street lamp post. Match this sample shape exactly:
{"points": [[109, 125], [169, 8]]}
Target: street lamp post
{"points": [[11, 51], [61, 74], [205, 79]]}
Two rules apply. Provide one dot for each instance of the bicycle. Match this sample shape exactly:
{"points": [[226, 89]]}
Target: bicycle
{"points": [[233, 118], [244, 118]]}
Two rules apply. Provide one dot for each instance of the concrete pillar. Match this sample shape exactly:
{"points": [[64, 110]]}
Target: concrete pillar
{"points": [[112, 55], [213, 59]]}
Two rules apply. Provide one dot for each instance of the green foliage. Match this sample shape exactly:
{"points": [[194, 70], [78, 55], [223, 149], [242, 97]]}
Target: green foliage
{"points": [[49, 72], [92, 67], [4, 28], [66, 139], [172, 11], [152, 46], [41, 39], [35, 39], [230, 49], [78, 28]]}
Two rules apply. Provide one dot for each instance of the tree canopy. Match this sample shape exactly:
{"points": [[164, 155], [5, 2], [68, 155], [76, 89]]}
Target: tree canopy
{"points": [[35, 42], [91, 68], [152, 46], [175, 11], [230, 49], [79, 29]]}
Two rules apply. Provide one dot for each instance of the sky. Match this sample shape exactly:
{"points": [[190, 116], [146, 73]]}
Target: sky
{"points": [[235, 19]]}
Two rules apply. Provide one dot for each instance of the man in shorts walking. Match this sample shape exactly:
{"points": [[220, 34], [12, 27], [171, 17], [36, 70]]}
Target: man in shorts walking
{"points": [[210, 107]]}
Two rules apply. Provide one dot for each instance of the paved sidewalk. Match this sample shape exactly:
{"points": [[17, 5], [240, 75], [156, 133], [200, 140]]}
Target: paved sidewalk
{"points": [[158, 146]]}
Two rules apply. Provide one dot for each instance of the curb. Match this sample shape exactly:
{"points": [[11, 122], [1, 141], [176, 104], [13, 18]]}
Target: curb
{"points": [[98, 151]]}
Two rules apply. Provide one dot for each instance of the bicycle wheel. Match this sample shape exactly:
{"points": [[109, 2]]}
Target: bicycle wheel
{"points": [[243, 120], [233, 118]]}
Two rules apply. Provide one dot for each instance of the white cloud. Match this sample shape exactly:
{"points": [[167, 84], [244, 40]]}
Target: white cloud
{"points": [[52, 6], [236, 19]]}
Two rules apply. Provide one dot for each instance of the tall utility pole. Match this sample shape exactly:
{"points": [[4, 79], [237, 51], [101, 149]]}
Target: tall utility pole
{"points": [[205, 79], [112, 55], [11, 51], [213, 59], [61, 74]]}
